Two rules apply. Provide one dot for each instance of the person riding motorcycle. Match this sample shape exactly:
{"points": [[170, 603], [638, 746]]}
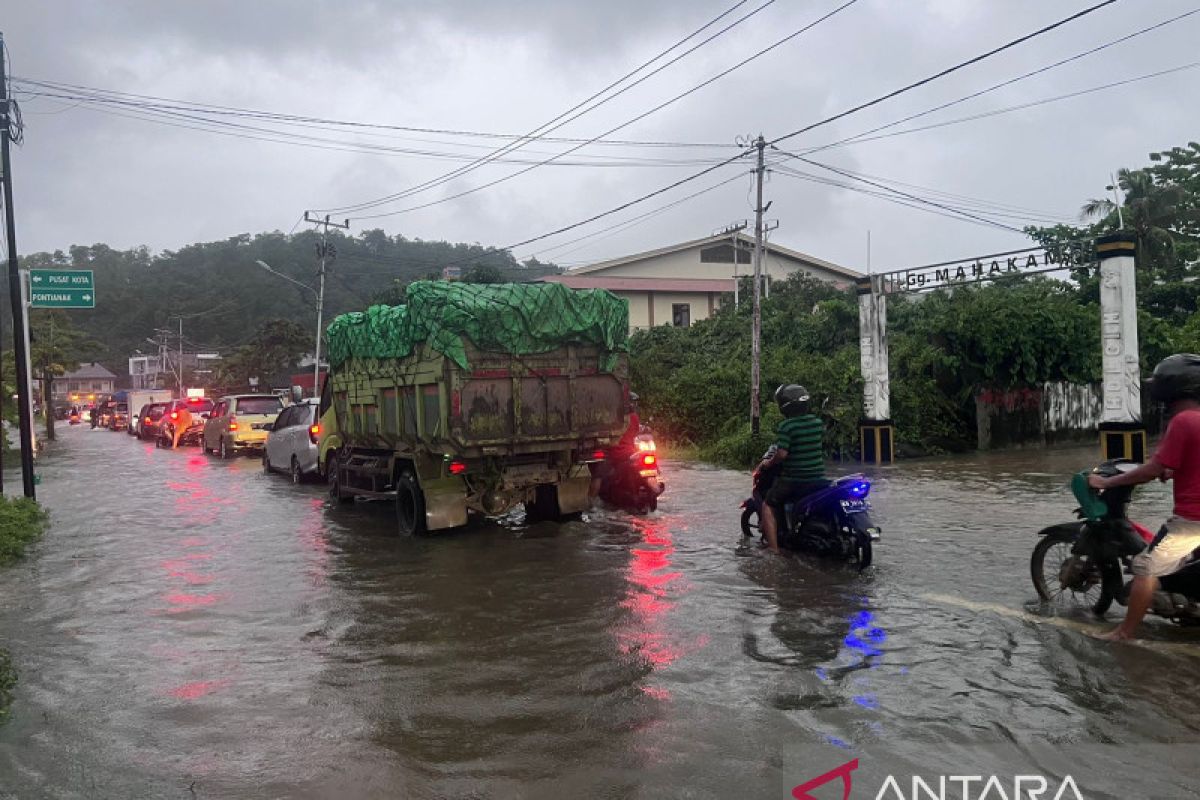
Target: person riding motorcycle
{"points": [[616, 454], [799, 439], [182, 421], [1175, 382]]}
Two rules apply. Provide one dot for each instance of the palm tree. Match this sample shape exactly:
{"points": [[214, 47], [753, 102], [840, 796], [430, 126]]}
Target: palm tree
{"points": [[1151, 211]]}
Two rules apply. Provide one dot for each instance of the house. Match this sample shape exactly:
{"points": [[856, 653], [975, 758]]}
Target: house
{"points": [[86, 383], [687, 282]]}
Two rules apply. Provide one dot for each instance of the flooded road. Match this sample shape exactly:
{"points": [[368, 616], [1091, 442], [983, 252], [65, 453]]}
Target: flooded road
{"points": [[194, 628]]}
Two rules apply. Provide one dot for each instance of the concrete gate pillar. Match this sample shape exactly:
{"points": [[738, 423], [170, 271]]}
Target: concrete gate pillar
{"points": [[876, 432], [1122, 432]]}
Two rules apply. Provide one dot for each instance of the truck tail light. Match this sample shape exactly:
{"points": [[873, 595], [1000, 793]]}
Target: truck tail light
{"points": [[597, 455], [457, 467]]}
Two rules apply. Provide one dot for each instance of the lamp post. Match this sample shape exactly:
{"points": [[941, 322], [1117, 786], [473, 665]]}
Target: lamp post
{"points": [[320, 295]]}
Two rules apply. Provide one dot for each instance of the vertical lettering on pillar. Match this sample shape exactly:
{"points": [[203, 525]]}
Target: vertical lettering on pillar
{"points": [[872, 343], [1119, 341]]}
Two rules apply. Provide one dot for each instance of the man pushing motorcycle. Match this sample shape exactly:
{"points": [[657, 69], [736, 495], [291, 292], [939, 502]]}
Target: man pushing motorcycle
{"points": [[799, 447], [1175, 382]]}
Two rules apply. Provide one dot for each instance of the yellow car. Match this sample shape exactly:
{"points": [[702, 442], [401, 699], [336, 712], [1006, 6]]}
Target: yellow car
{"points": [[240, 422]]}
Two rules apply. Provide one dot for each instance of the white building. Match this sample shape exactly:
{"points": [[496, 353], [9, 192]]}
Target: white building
{"points": [[687, 282]]}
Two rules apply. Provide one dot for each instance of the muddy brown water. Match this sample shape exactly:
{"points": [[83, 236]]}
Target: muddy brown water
{"points": [[194, 628]]}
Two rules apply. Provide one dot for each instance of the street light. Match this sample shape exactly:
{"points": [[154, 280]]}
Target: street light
{"points": [[320, 295]]}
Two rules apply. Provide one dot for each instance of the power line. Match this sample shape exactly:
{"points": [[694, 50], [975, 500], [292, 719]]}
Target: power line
{"points": [[566, 117], [623, 125], [167, 103], [943, 73], [1009, 82]]}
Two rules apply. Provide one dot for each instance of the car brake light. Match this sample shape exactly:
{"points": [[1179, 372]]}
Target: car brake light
{"points": [[597, 455], [314, 431], [457, 467], [233, 423], [174, 415]]}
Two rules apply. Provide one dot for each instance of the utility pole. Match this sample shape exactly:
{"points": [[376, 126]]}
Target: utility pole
{"points": [[324, 250], [760, 144], [733, 229], [181, 356], [14, 285]]}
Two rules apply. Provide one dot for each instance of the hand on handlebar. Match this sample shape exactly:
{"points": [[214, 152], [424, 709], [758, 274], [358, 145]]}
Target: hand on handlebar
{"points": [[1097, 482]]}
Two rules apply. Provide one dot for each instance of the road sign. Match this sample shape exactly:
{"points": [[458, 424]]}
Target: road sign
{"points": [[62, 288]]}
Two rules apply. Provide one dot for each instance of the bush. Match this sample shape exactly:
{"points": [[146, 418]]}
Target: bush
{"points": [[21, 522]]}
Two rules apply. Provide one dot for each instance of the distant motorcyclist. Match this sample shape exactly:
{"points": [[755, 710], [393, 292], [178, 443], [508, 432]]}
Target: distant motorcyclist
{"points": [[799, 443], [1175, 382], [95, 415], [182, 421], [624, 448]]}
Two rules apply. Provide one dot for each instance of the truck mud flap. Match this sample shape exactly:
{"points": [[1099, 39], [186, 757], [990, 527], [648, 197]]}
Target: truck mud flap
{"points": [[573, 495], [445, 504]]}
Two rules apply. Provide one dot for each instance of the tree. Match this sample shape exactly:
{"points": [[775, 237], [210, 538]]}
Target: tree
{"points": [[56, 348], [482, 273], [269, 356]]}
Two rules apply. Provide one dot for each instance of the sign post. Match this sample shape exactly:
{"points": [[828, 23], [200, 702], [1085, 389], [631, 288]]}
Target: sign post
{"points": [[28, 376], [876, 432], [62, 288], [1122, 432]]}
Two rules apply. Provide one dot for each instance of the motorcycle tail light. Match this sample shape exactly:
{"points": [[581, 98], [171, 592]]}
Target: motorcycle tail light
{"points": [[649, 460], [174, 415]]}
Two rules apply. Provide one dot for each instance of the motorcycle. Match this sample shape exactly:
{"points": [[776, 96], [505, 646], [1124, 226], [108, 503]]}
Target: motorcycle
{"points": [[191, 437], [1086, 562], [833, 522], [633, 481]]}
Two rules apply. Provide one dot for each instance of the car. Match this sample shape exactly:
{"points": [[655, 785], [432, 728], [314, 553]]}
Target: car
{"points": [[119, 420], [197, 407], [240, 422], [148, 420], [292, 441]]}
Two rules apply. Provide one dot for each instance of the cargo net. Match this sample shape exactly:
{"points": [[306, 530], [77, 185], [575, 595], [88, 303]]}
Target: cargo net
{"points": [[515, 318]]}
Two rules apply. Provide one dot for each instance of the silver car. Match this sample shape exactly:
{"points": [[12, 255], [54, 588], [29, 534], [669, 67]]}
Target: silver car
{"points": [[292, 441]]}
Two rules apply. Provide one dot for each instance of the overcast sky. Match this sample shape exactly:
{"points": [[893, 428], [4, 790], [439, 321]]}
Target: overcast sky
{"points": [[86, 174]]}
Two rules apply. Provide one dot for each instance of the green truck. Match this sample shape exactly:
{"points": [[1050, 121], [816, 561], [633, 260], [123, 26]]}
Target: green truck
{"points": [[474, 398]]}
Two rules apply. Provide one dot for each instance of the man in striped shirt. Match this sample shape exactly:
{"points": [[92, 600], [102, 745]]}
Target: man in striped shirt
{"points": [[799, 447]]}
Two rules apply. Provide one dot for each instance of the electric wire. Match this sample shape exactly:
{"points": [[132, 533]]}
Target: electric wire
{"points": [[623, 125], [559, 120]]}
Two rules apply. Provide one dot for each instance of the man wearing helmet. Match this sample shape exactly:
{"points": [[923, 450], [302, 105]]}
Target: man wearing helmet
{"points": [[1176, 382], [798, 439], [618, 452]]}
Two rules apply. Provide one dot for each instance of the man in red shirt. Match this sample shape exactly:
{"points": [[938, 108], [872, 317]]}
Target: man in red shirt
{"points": [[1176, 382]]}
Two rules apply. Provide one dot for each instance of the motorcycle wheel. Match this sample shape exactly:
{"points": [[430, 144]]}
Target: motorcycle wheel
{"points": [[865, 554], [750, 522], [1094, 587]]}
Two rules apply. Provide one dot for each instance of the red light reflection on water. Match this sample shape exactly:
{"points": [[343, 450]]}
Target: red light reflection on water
{"points": [[650, 581], [197, 689]]}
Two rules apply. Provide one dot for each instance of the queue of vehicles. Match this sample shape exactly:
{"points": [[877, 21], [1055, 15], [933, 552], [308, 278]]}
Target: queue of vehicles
{"points": [[464, 427]]}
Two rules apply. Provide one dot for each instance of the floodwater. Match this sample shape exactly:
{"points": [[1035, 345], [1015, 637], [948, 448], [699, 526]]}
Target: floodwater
{"points": [[191, 628]]}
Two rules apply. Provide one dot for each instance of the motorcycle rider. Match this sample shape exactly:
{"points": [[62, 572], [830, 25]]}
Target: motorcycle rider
{"points": [[1175, 382], [624, 448], [799, 439], [183, 421]]}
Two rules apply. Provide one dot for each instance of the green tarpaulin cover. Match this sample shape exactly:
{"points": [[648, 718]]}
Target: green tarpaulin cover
{"points": [[517, 318]]}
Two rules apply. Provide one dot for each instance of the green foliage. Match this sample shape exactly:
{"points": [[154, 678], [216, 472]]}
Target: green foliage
{"points": [[8, 681], [225, 296], [269, 356], [21, 522]]}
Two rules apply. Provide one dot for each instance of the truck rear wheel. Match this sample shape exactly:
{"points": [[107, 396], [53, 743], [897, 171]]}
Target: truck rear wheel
{"points": [[410, 506], [334, 480]]}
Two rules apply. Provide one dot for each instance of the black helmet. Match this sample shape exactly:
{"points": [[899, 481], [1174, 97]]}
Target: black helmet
{"points": [[792, 399], [1175, 378]]}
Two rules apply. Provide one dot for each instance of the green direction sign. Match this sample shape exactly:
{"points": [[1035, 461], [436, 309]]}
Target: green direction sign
{"points": [[62, 288]]}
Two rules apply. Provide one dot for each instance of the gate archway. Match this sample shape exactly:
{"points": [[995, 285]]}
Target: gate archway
{"points": [[1122, 432]]}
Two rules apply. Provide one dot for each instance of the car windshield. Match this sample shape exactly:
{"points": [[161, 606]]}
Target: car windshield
{"points": [[258, 405], [157, 410], [122, 408]]}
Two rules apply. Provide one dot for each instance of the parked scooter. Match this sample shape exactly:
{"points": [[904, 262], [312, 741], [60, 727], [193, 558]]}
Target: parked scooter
{"points": [[633, 481], [834, 522], [1085, 563]]}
